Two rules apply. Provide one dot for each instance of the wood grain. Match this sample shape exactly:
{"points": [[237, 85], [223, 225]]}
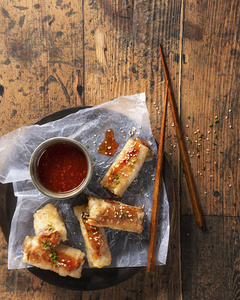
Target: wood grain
{"points": [[211, 54], [56, 54]]}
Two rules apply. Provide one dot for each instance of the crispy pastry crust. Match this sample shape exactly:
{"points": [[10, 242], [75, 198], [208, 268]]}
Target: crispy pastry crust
{"points": [[114, 214], [126, 166], [98, 253], [62, 259], [49, 226]]}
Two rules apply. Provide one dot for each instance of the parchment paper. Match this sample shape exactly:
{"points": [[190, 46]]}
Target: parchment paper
{"points": [[127, 116]]}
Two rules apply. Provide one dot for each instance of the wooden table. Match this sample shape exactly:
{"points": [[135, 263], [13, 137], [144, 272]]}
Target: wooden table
{"points": [[61, 54]]}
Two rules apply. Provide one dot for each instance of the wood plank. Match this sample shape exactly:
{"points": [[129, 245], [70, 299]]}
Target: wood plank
{"points": [[122, 58], [41, 55], [209, 92], [210, 259]]}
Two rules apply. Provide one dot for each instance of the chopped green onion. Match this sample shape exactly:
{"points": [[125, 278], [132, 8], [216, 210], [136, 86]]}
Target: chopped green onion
{"points": [[216, 121], [215, 136], [188, 117], [200, 135], [115, 213], [197, 149], [221, 152], [125, 215], [214, 144], [94, 158], [204, 168], [116, 177], [117, 182], [211, 125], [190, 141]]}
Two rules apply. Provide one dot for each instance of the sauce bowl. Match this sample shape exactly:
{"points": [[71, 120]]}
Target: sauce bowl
{"points": [[61, 168]]}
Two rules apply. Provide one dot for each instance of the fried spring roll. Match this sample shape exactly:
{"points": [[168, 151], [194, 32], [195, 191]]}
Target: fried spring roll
{"points": [[126, 166], [98, 253], [49, 226], [62, 259], [114, 214]]}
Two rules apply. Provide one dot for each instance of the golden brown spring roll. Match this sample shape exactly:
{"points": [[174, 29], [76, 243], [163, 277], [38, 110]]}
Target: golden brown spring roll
{"points": [[49, 226], [62, 259], [98, 252], [114, 214], [126, 166]]}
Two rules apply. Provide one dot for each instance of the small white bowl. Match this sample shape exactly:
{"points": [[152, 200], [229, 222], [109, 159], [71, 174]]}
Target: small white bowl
{"points": [[33, 167]]}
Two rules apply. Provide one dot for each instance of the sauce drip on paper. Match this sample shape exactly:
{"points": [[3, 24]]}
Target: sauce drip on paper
{"points": [[109, 146]]}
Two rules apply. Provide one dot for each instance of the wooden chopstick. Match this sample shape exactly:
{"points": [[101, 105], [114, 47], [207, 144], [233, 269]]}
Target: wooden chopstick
{"points": [[157, 190], [183, 149]]}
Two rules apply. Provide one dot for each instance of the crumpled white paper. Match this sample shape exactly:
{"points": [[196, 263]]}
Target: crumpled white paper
{"points": [[126, 116]]}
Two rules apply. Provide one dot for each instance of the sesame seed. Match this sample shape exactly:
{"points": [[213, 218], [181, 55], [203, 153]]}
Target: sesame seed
{"points": [[209, 131], [226, 117], [216, 117], [211, 176], [172, 125], [229, 110], [230, 126], [230, 185], [187, 126]]}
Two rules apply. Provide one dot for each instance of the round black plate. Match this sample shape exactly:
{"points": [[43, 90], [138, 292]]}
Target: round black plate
{"points": [[92, 278]]}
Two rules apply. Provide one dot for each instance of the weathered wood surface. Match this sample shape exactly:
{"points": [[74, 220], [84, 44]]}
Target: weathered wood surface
{"points": [[60, 54]]}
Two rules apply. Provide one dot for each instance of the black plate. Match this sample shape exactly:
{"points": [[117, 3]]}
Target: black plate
{"points": [[91, 279]]}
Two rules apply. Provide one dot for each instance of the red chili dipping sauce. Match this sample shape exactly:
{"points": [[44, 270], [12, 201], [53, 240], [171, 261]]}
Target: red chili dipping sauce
{"points": [[62, 167]]}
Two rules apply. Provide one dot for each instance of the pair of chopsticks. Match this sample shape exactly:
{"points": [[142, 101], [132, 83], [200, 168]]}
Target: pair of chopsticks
{"points": [[158, 178]]}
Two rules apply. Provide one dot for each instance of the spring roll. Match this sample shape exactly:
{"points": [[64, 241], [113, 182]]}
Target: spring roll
{"points": [[49, 226], [115, 215], [126, 166], [62, 259], [98, 252]]}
